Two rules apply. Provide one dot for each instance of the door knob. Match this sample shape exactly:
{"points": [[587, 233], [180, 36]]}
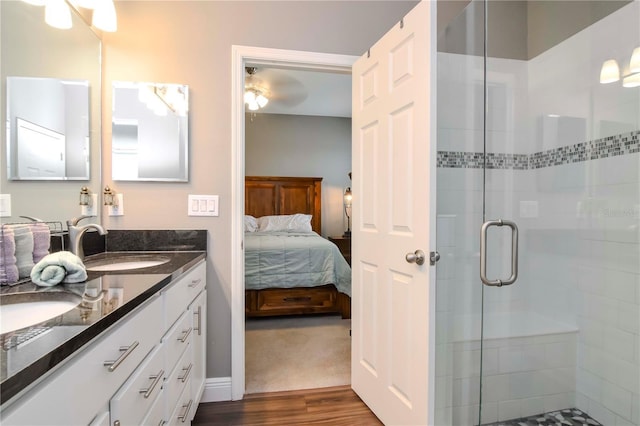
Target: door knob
{"points": [[416, 257]]}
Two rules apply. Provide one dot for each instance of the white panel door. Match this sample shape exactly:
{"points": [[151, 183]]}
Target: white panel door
{"points": [[393, 315]]}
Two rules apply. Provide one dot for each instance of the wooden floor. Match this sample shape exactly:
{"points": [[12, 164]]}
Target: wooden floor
{"points": [[335, 406]]}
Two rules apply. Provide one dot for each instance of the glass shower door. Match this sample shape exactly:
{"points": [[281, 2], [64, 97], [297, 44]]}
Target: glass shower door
{"points": [[559, 242]]}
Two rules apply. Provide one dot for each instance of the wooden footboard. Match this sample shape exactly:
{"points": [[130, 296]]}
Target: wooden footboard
{"points": [[297, 301]]}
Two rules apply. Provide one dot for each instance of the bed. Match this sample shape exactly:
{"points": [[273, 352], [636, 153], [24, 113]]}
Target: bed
{"points": [[292, 272]]}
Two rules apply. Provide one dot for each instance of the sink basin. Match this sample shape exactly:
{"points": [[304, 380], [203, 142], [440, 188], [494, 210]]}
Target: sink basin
{"points": [[20, 310], [124, 263]]}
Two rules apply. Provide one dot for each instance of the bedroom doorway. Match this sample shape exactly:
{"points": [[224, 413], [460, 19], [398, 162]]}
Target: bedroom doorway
{"points": [[242, 57]]}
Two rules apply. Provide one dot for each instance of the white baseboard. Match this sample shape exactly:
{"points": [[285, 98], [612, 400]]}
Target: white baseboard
{"points": [[217, 389]]}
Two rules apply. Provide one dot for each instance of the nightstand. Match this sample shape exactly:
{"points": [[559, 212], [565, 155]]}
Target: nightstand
{"points": [[344, 244]]}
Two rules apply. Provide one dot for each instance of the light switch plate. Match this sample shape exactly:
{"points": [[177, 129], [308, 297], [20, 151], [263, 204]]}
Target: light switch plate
{"points": [[202, 205], [5, 205], [117, 210], [92, 209]]}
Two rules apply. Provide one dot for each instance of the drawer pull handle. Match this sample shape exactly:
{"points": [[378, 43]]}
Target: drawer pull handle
{"points": [[199, 314], [156, 378], [126, 351], [194, 283], [297, 299], [183, 417], [187, 371], [185, 335]]}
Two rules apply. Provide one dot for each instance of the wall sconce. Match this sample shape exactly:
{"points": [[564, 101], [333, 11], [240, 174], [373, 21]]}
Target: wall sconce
{"points": [[347, 198], [85, 197], [57, 13], [610, 71], [110, 198]]}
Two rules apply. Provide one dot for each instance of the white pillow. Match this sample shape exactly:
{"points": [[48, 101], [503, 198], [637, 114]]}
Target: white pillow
{"points": [[250, 223], [288, 223]]}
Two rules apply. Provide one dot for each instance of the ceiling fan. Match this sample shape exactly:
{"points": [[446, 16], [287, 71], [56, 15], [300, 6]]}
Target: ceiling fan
{"points": [[275, 85]]}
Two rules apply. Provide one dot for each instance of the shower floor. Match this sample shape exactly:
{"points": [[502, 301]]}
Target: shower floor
{"points": [[569, 417]]}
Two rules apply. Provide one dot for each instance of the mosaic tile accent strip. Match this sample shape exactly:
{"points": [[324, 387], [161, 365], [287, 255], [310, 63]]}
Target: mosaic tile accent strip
{"points": [[568, 417], [475, 160], [623, 144]]}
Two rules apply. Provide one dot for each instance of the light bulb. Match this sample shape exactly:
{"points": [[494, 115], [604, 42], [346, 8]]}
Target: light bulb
{"points": [[57, 14], [253, 106], [262, 100], [610, 72], [104, 16], [249, 96]]}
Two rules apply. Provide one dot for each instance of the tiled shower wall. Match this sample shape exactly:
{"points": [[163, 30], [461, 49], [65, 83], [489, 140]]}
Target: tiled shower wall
{"points": [[564, 163]]}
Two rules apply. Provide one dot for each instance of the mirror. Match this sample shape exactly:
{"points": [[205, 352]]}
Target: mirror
{"points": [[47, 128], [150, 132], [40, 54]]}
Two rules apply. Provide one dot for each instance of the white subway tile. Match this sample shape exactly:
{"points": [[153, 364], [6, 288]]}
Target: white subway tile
{"points": [[509, 409], [617, 399]]}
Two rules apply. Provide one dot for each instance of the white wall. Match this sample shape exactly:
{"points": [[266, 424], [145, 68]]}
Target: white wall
{"points": [[295, 145]]}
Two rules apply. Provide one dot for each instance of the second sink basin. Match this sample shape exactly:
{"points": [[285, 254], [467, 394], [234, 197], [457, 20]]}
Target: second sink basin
{"points": [[124, 263], [21, 310]]}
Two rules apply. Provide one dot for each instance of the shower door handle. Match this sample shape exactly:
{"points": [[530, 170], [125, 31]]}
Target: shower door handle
{"points": [[514, 252]]}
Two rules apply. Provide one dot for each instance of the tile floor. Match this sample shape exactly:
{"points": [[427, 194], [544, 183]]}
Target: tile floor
{"points": [[568, 417]]}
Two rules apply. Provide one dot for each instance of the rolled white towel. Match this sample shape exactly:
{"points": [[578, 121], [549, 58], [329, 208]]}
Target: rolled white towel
{"points": [[54, 268]]}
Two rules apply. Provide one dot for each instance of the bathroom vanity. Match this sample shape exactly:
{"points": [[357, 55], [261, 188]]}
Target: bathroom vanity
{"points": [[132, 352]]}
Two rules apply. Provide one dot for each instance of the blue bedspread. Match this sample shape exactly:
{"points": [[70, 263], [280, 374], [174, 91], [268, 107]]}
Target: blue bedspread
{"points": [[292, 259]]}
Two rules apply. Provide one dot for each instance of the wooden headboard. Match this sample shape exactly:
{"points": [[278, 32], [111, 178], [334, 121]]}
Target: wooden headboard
{"points": [[269, 195]]}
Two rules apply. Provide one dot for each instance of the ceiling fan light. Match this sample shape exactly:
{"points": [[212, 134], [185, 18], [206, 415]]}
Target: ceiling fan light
{"points": [[262, 100], [104, 16], [253, 106], [57, 14], [249, 96]]}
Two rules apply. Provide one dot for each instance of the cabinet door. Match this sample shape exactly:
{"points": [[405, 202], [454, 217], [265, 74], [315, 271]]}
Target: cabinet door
{"points": [[198, 310]]}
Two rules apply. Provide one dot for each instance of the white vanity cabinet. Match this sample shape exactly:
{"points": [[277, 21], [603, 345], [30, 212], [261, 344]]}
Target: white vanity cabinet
{"points": [[185, 341], [81, 388], [140, 371]]}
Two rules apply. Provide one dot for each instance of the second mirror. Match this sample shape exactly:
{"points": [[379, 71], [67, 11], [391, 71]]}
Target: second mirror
{"points": [[150, 138]]}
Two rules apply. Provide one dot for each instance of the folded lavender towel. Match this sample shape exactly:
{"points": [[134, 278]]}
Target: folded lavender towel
{"points": [[24, 249], [8, 267], [41, 240], [54, 268]]}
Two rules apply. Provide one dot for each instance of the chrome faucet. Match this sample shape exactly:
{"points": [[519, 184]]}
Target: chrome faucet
{"points": [[76, 232]]}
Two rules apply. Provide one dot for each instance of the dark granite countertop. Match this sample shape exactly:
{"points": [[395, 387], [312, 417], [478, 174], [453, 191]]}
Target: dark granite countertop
{"points": [[28, 354]]}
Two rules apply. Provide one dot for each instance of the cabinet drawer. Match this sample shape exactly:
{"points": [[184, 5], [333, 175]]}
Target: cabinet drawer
{"points": [[183, 411], [136, 396], [157, 414], [84, 385], [179, 295], [176, 340], [179, 379]]}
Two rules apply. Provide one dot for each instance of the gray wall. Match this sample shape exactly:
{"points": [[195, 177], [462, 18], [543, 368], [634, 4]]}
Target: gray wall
{"points": [[516, 29], [189, 42], [302, 145]]}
